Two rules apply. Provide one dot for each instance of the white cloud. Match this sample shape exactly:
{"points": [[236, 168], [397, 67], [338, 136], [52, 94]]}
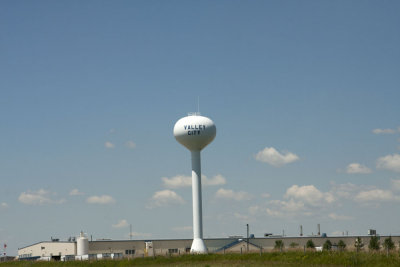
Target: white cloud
{"points": [[271, 156], [348, 190], [288, 206], [274, 213], [395, 184], [365, 194], [389, 162], [383, 131], [102, 200], [337, 217], [39, 197], [309, 194], [216, 180], [357, 168], [186, 181], [177, 181], [231, 195], [75, 192], [121, 224], [301, 201], [109, 145], [376, 195], [182, 229], [165, 198], [3, 205], [308, 200], [130, 144]]}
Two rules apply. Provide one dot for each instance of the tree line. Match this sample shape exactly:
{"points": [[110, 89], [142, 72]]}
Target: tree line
{"points": [[373, 245]]}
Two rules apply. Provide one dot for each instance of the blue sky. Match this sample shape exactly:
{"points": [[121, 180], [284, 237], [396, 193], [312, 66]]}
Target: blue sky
{"points": [[305, 96]]}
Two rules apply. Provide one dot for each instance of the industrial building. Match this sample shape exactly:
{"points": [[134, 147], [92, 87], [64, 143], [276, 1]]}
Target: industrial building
{"points": [[83, 249]]}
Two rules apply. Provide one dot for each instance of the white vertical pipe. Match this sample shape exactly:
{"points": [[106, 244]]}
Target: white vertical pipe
{"points": [[198, 245], [196, 195]]}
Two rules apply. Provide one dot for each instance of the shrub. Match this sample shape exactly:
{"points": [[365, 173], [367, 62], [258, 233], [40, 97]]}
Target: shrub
{"points": [[294, 245], [327, 245], [358, 243], [374, 243], [279, 244], [310, 244], [341, 245], [388, 243]]}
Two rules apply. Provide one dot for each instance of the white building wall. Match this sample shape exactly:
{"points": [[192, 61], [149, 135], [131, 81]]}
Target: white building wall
{"points": [[121, 246], [48, 249]]}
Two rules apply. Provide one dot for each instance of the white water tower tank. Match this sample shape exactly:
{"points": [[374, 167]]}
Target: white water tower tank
{"points": [[195, 132], [82, 245]]}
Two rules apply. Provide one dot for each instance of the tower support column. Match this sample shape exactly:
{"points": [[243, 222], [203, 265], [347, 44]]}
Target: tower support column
{"points": [[198, 245]]}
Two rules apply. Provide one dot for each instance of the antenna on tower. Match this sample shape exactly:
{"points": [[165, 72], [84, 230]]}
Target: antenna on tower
{"points": [[198, 105]]}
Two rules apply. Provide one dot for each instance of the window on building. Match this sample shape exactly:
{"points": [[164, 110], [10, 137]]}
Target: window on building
{"points": [[172, 250], [117, 255], [26, 255], [129, 252]]}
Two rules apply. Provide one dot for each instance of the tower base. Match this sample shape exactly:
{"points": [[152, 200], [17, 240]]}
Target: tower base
{"points": [[198, 246]]}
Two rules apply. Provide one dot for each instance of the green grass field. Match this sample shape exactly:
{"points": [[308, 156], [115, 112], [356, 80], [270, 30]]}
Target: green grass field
{"points": [[292, 258]]}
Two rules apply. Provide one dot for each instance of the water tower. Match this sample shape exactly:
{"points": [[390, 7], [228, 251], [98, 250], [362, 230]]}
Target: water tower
{"points": [[195, 132]]}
